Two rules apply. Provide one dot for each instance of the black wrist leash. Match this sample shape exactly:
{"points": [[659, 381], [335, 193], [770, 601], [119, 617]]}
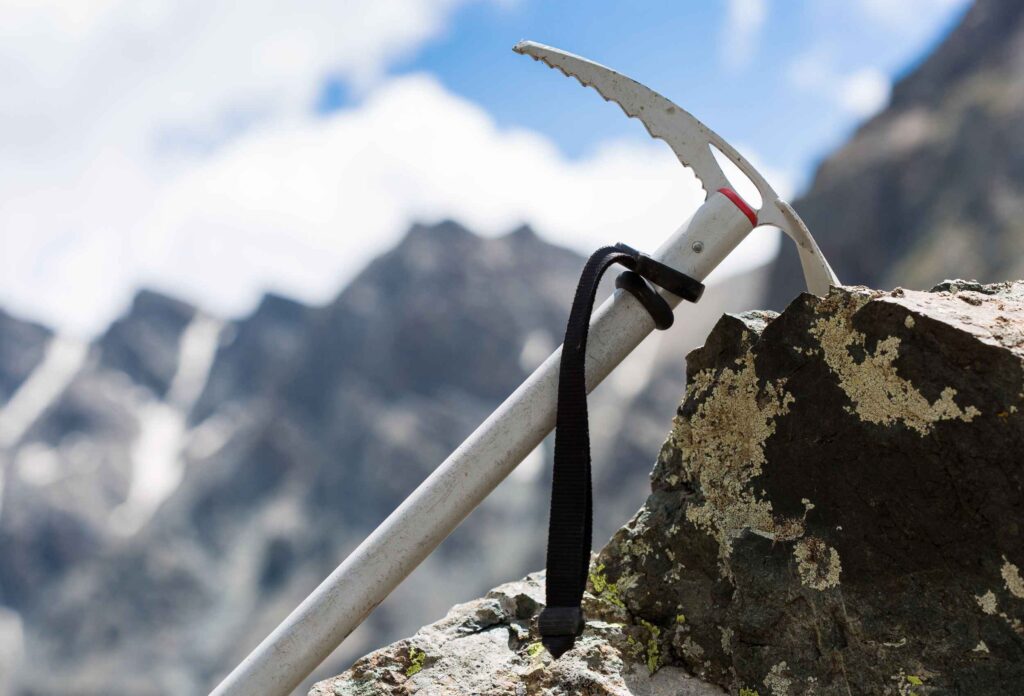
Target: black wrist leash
{"points": [[571, 521]]}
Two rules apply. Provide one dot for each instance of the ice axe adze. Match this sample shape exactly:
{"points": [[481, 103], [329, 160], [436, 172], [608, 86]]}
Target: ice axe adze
{"points": [[341, 602]]}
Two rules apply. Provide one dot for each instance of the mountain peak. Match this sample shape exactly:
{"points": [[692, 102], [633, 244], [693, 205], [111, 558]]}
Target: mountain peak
{"points": [[147, 301], [985, 31], [275, 304], [522, 233], [444, 231], [143, 343], [22, 346]]}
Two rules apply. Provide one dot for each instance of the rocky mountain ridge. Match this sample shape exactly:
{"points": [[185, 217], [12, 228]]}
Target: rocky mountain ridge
{"points": [[196, 477], [933, 186]]}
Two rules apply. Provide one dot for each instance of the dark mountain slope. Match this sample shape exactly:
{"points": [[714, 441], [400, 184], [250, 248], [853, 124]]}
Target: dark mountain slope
{"points": [[932, 187], [22, 345]]}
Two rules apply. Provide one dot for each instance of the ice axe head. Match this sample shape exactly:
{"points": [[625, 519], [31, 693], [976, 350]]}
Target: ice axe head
{"points": [[692, 143]]}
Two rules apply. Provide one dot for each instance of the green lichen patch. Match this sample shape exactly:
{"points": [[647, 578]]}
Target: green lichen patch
{"points": [[603, 588], [906, 684], [647, 651], [654, 659], [416, 660]]}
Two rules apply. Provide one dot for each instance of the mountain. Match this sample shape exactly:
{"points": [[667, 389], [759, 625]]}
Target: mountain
{"points": [[933, 186], [184, 481], [22, 347]]}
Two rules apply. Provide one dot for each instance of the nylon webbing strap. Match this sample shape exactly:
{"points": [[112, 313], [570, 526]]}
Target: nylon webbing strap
{"points": [[571, 521]]}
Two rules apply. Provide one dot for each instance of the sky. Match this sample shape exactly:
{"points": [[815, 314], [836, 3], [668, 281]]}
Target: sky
{"points": [[216, 150]]}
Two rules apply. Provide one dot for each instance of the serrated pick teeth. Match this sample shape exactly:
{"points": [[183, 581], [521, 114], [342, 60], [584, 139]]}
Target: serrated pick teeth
{"points": [[530, 49], [692, 142]]}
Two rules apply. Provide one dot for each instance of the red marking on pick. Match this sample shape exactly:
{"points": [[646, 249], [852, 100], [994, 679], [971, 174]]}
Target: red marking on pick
{"points": [[740, 203]]}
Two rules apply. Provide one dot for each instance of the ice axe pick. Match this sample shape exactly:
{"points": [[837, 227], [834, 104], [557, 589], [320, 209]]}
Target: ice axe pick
{"points": [[691, 141], [431, 512]]}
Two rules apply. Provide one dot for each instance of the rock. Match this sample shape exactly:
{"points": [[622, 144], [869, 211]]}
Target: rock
{"points": [[489, 646], [144, 343], [837, 510], [22, 347]]}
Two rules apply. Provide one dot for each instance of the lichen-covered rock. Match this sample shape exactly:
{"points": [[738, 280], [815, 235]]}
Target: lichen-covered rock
{"points": [[837, 510], [490, 647]]}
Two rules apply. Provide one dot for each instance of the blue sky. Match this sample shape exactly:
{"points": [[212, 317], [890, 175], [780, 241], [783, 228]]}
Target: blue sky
{"points": [[215, 150], [679, 49]]}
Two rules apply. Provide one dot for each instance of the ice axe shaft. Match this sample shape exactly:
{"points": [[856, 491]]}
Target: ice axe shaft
{"points": [[310, 633]]}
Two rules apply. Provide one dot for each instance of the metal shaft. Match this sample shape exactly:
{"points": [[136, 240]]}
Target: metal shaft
{"points": [[341, 602]]}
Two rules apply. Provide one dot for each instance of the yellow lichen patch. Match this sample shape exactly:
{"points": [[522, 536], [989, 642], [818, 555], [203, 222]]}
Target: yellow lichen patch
{"points": [[878, 393], [691, 649], [723, 449], [1012, 578], [777, 682], [987, 602], [818, 563], [726, 640]]}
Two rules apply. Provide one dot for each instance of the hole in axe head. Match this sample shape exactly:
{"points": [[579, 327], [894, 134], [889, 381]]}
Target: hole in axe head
{"points": [[739, 181]]}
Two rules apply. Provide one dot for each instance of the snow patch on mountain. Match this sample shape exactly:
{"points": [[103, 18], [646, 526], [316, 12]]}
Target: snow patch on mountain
{"points": [[63, 358], [156, 454]]}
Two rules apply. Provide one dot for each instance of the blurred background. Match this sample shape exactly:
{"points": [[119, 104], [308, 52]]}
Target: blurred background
{"points": [[264, 265]]}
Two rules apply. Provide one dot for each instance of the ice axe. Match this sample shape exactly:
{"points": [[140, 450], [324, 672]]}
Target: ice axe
{"points": [[362, 581]]}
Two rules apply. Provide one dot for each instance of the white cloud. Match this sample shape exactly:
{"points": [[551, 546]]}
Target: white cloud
{"points": [[744, 20], [905, 15], [100, 95], [301, 208], [862, 93], [93, 207]]}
